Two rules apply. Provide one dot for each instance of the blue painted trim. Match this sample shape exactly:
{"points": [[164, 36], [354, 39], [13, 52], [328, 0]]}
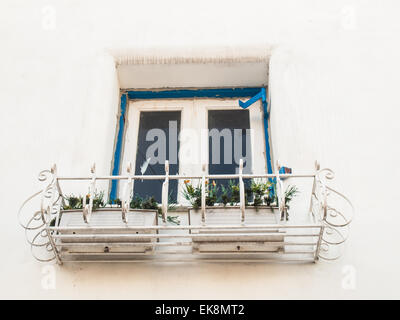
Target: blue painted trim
{"points": [[262, 94], [118, 147], [267, 146], [194, 93], [285, 170]]}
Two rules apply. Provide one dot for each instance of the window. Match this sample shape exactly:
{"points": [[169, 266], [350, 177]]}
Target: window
{"points": [[157, 141], [239, 133], [229, 141]]}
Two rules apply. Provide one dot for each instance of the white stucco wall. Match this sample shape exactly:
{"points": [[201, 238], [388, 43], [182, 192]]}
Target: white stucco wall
{"points": [[334, 97]]}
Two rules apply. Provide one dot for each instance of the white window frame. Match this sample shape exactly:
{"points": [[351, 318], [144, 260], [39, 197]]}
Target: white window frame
{"points": [[194, 115]]}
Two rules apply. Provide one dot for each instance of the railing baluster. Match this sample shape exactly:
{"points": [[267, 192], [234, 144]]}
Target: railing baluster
{"points": [[279, 191], [164, 193], [241, 192], [88, 208], [203, 194], [128, 193]]}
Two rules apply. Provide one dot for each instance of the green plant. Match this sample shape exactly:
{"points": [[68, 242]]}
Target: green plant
{"points": [[150, 203], [116, 201], [74, 202], [136, 202], [192, 194], [235, 192], [290, 193], [53, 222], [247, 195], [211, 193], [98, 200], [257, 201], [173, 219], [270, 193], [258, 189], [225, 198], [269, 200], [172, 205]]}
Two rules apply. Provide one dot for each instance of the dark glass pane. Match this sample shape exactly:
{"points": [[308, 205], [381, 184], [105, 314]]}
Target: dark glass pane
{"points": [[221, 125], [162, 129]]}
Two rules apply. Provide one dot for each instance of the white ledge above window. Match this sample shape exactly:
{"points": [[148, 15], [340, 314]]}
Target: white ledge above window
{"points": [[192, 67]]}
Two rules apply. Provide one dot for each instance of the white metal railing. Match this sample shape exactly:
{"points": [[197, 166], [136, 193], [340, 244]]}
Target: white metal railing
{"points": [[327, 230]]}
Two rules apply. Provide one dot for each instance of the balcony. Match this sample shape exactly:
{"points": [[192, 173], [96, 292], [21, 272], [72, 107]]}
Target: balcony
{"points": [[238, 232]]}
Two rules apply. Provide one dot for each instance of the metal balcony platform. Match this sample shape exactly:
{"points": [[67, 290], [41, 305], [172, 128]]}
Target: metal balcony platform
{"points": [[208, 234]]}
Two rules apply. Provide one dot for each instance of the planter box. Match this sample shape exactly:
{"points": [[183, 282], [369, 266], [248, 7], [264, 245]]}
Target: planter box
{"points": [[107, 222], [254, 240]]}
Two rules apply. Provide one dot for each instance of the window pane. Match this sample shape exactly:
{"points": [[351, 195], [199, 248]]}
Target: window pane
{"points": [[157, 142], [229, 141]]}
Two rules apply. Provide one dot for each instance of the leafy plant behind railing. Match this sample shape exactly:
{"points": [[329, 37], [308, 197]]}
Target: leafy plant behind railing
{"points": [[262, 192], [193, 193], [290, 193], [234, 192], [76, 202], [73, 202], [259, 189]]}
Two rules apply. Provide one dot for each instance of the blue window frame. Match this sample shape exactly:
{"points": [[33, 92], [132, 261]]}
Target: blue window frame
{"points": [[253, 93]]}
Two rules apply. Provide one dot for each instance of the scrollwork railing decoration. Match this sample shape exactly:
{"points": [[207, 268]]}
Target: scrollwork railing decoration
{"points": [[335, 212], [37, 225]]}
